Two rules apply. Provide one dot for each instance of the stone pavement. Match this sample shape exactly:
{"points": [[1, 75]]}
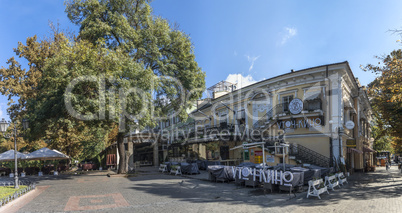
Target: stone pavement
{"points": [[150, 191]]}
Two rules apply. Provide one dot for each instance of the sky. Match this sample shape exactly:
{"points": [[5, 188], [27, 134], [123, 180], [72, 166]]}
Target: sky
{"points": [[249, 40]]}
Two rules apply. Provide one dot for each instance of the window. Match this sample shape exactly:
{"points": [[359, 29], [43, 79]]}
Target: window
{"points": [[286, 101]]}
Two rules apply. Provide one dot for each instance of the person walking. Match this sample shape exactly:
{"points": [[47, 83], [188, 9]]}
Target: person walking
{"points": [[387, 166]]}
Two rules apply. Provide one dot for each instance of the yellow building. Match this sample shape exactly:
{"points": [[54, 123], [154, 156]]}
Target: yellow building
{"points": [[322, 114]]}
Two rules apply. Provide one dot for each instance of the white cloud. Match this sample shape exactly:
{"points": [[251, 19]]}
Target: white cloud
{"points": [[289, 33], [251, 59], [240, 80]]}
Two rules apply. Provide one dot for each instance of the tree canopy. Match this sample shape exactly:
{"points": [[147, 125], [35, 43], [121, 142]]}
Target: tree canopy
{"points": [[386, 96], [125, 67]]}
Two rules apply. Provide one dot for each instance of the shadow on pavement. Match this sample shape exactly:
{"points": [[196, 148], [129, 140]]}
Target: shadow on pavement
{"points": [[361, 186]]}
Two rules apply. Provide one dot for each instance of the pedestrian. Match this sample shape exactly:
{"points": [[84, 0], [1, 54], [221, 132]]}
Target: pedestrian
{"points": [[387, 165]]}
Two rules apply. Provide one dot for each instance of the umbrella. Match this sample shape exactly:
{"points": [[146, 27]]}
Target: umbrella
{"points": [[9, 156], [46, 154]]}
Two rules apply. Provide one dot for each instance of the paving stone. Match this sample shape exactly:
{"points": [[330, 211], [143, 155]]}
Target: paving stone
{"points": [[150, 191]]}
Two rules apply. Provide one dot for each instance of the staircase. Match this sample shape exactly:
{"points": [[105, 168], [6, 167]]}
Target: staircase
{"points": [[307, 155], [267, 120]]}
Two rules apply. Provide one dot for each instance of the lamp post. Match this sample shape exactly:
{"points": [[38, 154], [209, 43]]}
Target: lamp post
{"points": [[3, 128]]}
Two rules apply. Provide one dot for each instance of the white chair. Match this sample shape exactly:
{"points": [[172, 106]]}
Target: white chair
{"points": [[315, 188], [341, 178], [331, 182], [163, 168], [175, 170]]}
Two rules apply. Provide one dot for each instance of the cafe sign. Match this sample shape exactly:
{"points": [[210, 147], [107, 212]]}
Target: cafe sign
{"points": [[351, 143], [301, 123], [266, 176], [296, 106], [350, 125]]}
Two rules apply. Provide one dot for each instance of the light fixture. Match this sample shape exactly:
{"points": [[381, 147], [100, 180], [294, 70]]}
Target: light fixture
{"points": [[3, 125]]}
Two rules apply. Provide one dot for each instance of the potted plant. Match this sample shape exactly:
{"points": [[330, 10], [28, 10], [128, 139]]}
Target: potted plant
{"points": [[23, 165], [40, 165], [56, 164], [100, 161], [11, 166]]}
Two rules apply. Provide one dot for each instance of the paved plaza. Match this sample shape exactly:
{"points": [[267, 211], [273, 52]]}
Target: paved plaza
{"points": [[150, 191]]}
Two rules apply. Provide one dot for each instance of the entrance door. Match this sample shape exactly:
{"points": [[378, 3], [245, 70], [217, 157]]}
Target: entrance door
{"points": [[224, 151]]}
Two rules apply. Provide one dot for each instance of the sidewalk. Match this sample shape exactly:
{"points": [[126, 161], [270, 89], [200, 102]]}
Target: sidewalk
{"points": [[151, 191]]}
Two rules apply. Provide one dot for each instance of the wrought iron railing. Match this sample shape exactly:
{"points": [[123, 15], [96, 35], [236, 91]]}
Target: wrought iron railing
{"points": [[267, 116], [18, 193], [309, 156], [311, 105]]}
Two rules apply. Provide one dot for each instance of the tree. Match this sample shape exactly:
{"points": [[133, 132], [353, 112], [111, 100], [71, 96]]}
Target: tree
{"points": [[127, 26], [386, 96], [20, 85]]}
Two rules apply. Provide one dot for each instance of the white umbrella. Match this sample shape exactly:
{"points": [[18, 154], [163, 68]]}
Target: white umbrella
{"points": [[9, 156], [46, 154]]}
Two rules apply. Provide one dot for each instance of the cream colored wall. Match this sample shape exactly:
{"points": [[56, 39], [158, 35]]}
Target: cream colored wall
{"points": [[202, 152], [317, 144]]}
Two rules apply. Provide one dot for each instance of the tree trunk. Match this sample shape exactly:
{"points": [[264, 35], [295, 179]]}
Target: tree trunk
{"points": [[122, 153]]}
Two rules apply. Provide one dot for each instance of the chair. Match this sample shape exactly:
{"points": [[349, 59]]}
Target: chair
{"points": [[315, 188], [331, 182], [249, 181], [269, 186], [341, 178]]}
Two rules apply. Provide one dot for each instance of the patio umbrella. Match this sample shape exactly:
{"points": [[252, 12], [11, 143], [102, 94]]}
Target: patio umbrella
{"points": [[46, 154], [9, 156]]}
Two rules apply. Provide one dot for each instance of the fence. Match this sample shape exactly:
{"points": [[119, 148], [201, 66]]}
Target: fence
{"points": [[18, 193]]}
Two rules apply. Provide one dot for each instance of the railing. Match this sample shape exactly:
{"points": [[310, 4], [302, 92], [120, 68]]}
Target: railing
{"points": [[308, 156], [311, 105], [267, 116], [18, 193], [308, 105]]}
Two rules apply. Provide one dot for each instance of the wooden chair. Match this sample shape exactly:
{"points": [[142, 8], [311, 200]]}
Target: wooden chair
{"points": [[163, 168], [315, 188], [341, 178], [331, 182]]}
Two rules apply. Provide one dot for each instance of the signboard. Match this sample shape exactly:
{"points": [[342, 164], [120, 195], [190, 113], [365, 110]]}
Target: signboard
{"points": [[300, 123], [246, 155], [296, 106], [351, 143], [270, 159], [266, 176], [350, 125]]}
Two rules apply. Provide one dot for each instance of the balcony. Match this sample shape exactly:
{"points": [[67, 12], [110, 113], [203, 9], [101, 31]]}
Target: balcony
{"points": [[312, 107]]}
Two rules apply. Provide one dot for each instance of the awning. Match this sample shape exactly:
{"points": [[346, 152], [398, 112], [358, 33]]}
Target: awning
{"points": [[350, 150], [9, 155], [312, 96], [368, 149]]}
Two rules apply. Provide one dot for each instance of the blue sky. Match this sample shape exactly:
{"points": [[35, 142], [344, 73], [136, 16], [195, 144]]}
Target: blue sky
{"points": [[258, 39]]}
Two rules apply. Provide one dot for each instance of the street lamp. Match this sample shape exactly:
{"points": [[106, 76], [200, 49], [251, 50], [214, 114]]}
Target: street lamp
{"points": [[3, 128]]}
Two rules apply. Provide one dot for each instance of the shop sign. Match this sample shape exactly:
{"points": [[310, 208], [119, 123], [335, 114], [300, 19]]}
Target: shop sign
{"points": [[246, 155], [351, 143], [296, 106], [350, 125], [270, 159], [267, 176], [302, 123]]}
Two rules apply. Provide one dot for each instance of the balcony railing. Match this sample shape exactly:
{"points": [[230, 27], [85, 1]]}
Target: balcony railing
{"points": [[311, 105], [283, 109]]}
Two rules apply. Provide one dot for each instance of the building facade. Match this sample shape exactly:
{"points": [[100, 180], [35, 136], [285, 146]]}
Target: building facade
{"points": [[322, 114]]}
